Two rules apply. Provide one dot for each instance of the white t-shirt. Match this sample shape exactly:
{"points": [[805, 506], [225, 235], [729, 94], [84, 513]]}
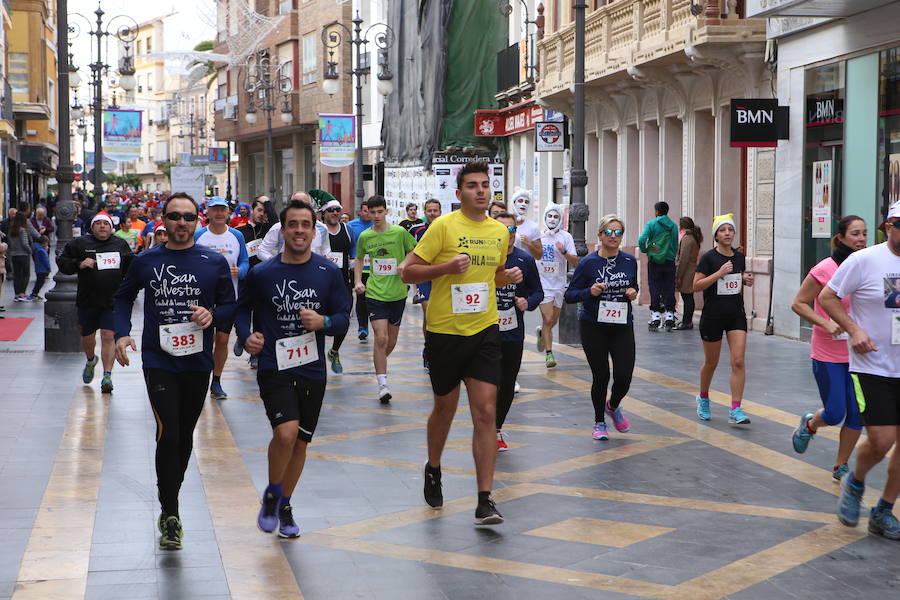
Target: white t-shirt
{"points": [[552, 265], [867, 277], [273, 242], [527, 228], [227, 244]]}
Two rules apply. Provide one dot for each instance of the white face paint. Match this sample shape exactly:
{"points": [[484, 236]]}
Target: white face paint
{"points": [[521, 205], [551, 220]]}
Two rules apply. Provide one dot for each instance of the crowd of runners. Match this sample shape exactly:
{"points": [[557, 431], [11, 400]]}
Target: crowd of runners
{"points": [[286, 284]]}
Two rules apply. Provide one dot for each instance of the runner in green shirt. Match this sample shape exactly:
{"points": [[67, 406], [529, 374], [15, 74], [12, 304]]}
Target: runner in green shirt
{"points": [[386, 245]]}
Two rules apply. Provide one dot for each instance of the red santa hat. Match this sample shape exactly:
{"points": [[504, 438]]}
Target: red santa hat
{"points": [[102, 216]]}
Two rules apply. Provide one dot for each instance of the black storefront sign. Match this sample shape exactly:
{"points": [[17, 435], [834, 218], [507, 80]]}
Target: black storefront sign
{"points": [[758, 123], [824, 109]]}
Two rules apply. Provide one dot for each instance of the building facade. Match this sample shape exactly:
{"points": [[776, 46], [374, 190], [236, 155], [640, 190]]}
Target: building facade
{"points": [[839, 70], [297, 43], [31, 64], [659, 77]]}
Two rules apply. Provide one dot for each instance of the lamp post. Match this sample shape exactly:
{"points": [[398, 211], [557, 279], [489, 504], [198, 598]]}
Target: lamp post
{"points": [[266, 85], [125, 34], [333, 35], [61, 332]]}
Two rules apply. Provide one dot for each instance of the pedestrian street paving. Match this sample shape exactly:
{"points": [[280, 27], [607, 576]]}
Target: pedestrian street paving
{"points": [[674, 509]]}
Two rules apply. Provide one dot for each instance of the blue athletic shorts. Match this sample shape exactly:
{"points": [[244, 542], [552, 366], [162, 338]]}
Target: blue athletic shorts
{"points": [[392, 311], [837, 393], [424, 290]]}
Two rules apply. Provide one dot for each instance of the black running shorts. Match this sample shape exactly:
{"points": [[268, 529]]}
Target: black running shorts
{"points": [[91, 318], [289, 397], [712, 328], [392, 311], [878, 399], [453, 358]]}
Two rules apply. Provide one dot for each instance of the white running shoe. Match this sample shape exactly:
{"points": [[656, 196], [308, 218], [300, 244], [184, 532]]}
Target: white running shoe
{"points": [[517, 388], [384, 394]]}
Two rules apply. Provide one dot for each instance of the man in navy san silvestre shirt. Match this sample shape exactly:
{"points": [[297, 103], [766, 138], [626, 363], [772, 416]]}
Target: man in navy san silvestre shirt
{"points": [[512, 302], [186, 288], [295, 299]]}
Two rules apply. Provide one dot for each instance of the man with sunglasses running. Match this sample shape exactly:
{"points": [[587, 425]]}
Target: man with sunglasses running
{"points": [[187, 289], [464, 254], [337, 251], [873, 324]]}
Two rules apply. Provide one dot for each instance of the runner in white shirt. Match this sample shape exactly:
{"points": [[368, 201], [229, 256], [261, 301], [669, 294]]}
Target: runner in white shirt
{"points": [[527, 231], [273, 242], [870, 278], [229, 243], [557, 253]]}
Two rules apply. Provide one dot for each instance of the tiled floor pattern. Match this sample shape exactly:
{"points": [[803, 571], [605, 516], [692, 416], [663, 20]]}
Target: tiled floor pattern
{"points": [[674, 509]]}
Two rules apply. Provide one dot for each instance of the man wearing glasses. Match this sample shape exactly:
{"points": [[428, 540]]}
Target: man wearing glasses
{"points": [[337, 251], [874, 330], [187, 288]]}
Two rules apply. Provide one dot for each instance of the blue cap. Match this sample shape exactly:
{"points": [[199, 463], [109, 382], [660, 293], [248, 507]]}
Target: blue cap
{"points": [[217, 201]]}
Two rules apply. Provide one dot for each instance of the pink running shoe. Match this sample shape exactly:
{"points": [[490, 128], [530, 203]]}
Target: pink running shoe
{"points": [[600, 431], [619, 419]]}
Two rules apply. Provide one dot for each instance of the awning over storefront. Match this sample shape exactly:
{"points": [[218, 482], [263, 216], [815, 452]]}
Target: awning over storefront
{"points": [[511, 120], [810, 8]]}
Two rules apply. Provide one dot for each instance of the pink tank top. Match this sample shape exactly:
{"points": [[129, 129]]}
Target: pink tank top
{"points": [[822, 346]]}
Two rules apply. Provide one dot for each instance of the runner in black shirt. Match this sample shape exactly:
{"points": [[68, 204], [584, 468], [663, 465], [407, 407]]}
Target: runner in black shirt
{"points": [[262, 217], [721, 276], [338, 252]]}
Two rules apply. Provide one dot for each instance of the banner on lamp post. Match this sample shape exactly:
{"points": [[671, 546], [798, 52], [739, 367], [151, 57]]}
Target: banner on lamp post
{"points": [[122, 134], [337, 140]]}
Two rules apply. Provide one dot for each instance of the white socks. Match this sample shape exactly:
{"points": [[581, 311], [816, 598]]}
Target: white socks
{"points": [[382, 379]]}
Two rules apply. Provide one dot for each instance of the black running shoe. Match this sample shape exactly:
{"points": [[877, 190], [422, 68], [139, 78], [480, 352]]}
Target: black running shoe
{"points": [[670, 323], [653, 326], [433, 495], [487, 513], [171, 535]]}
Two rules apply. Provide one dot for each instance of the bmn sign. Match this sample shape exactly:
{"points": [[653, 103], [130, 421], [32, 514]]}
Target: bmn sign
{"points": [[758, 123]]}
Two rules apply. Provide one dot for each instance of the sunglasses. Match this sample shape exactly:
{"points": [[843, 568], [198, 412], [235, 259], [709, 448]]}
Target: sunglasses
{"points": [[612, 232], [332, 210], [175, 216], [511, 228], [895, 224]]}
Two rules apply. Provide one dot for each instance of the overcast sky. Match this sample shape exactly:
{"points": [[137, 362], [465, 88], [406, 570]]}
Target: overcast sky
{"points": [[191, 24]]}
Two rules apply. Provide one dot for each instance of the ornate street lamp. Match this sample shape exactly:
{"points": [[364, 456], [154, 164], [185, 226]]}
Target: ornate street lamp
{"points": [[334, 35], [268, 89]]}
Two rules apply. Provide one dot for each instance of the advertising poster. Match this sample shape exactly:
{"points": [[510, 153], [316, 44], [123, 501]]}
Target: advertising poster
{"points": [[822, 193], [337, 140], [189, 180], [122, 134], [893, 181]]}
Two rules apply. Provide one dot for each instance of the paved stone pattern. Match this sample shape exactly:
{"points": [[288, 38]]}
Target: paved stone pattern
{"points": [[674, 509]]}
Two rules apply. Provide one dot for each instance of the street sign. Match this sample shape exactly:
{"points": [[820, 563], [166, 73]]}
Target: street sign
{"points": [[549, 137], [77, 168]]}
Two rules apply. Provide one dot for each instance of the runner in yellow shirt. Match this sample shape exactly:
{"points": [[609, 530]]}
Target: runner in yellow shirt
{"points": [[464, 254]]}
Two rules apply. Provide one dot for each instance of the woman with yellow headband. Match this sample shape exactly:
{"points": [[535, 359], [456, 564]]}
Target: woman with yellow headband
{"points": [[721, 276]]}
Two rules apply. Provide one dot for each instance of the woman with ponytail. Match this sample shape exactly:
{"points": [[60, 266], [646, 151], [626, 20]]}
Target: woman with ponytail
{"points": [[685, 266], [828, 350]]}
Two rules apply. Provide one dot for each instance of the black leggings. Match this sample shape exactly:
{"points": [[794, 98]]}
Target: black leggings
{"points": [[688, 316], [339, 339], [510, 362], [177, 400], [21, 273], [600, 342], [362, 311]]}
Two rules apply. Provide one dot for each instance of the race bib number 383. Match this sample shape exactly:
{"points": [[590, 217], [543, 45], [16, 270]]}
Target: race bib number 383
{"points": [[469, 297], [181, 339]]}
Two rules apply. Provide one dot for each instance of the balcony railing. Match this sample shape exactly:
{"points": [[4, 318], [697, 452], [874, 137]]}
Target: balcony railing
{"points": [[634, 32], [508, 67]]}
